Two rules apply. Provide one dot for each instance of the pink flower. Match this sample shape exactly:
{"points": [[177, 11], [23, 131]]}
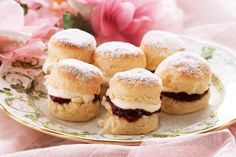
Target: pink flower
{"points": [[129, 20], [11, 36], [27, 35], [50, 10], [123, 20]]}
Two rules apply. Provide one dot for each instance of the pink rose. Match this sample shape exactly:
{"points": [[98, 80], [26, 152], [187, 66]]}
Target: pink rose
{"points": [[129, 20], [27, 35], [50, 10], [123, 20]]}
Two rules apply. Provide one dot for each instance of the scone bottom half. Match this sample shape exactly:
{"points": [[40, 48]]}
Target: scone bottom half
{"points": [[132, 102]]}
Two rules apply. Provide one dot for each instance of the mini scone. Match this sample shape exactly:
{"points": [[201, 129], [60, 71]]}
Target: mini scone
{"points": [[73, 90], [186, 83], [113, 57], [69, 43], [158, 45], [132, 102]]}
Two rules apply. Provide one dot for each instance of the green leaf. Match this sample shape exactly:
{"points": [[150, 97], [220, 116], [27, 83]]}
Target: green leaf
{"points": [[217, 82], [25, 8], [32, 63], [7, 89], [207, 52], [164, 135], [18, 87], [72, 21], [33, 117]]}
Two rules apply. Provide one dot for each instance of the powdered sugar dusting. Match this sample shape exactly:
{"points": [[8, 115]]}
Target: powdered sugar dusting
{"points": [[138, 76], [82, 69], [159, 39], [75, 37], [118, 49], [187, 64]]}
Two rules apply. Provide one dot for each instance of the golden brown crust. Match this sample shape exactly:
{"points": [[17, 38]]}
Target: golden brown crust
{"points": [[113, 57], [111, 67], [74, 38], [72, 43], [75, 76], [63, 52], [184, 72], [135, 85], [158, 45]]}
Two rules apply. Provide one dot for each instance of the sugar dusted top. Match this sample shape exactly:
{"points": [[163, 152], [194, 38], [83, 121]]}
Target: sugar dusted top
{"points": [[137, 77], [117, 49], [159, 39], [74, 37], [186, 64], [81, 69]]}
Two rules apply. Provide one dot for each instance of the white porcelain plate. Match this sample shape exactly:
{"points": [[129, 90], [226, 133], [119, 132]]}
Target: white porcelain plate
{"points": [[23, 98]]}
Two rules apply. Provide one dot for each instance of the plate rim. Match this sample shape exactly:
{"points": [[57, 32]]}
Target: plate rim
{"points": [[99, 141]]}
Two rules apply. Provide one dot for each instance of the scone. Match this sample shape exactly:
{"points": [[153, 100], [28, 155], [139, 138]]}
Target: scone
{"points": [[158, 45], [69, 43], [186, 83], [132, 102], [113, 57], [73, 90]]}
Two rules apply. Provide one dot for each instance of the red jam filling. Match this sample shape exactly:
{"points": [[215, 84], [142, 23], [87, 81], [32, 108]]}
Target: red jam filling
{"points": [[184, 96], [60, 100], [131, 115]]}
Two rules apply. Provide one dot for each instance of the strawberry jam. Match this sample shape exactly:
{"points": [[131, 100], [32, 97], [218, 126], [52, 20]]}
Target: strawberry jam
{"points": [[182, 96], [130, 115]]}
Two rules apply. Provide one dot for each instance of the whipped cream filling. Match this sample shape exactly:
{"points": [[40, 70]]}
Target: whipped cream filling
{"points": [[69, 95], [136, 105]]}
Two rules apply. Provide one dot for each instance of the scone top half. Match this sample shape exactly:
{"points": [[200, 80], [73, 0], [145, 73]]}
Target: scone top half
{"points": [[68, 43], [135, 89], [71, 78], [184, 72], [113, 57]]}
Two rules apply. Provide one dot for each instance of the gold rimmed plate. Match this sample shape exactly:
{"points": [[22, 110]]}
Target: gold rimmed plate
{"points": [[24, 98]]}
